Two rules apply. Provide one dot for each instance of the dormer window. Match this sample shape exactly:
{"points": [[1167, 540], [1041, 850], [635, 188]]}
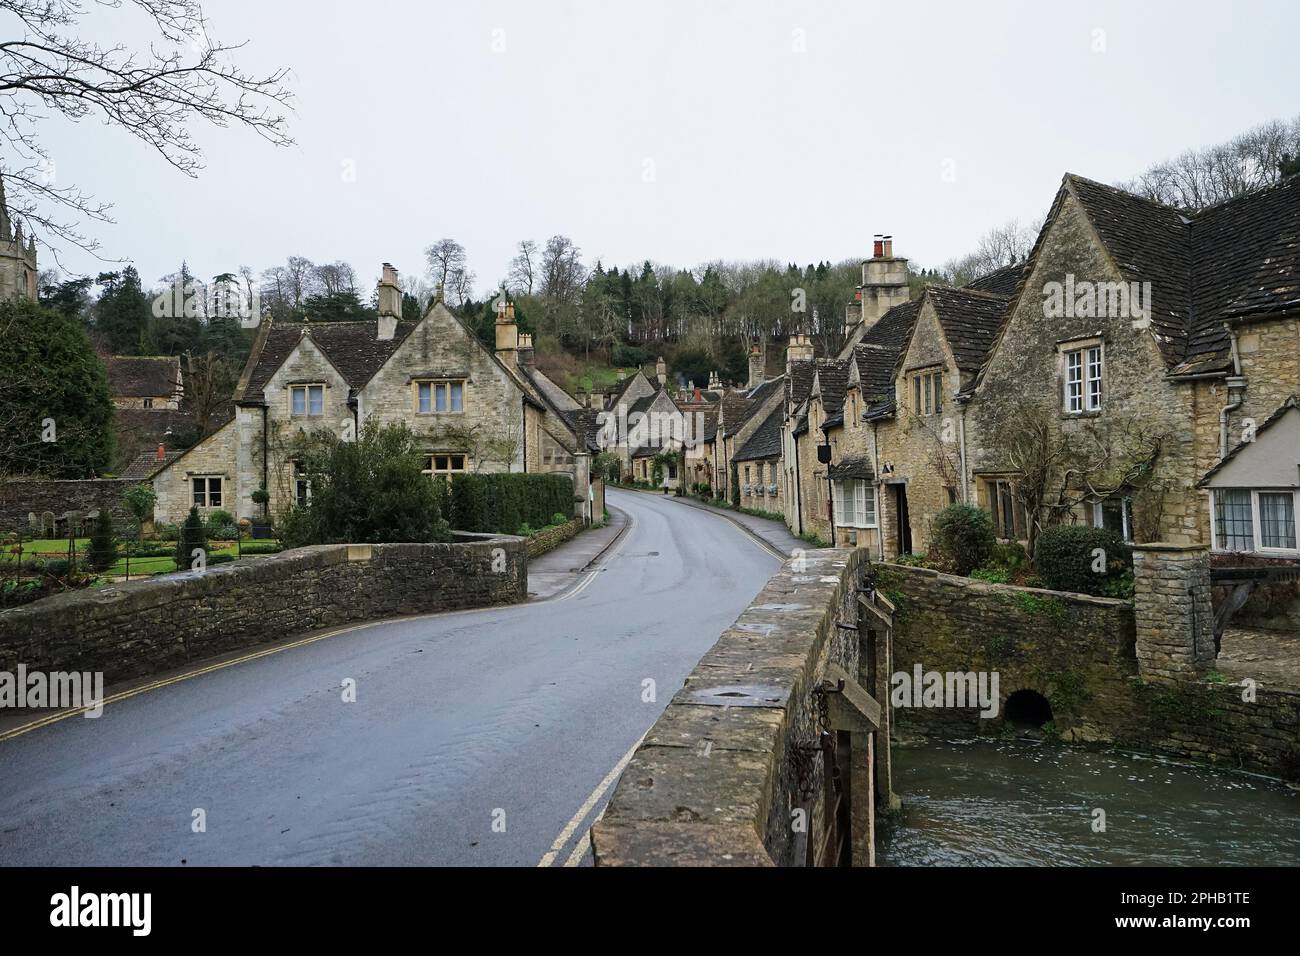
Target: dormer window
{"points": [[306, 400]]}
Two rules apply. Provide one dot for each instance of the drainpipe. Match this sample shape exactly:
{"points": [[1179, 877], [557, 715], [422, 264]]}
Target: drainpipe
{"points": [[798, 486], [523, 410], [880, 493], [266, 508], [961, 444], [1236, 383]]}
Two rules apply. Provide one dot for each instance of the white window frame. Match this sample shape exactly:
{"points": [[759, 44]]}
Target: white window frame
{"points": [[863, 512], [306, 390], [1126, 513], [301, 484], [1256, 525], [1088, 360]]}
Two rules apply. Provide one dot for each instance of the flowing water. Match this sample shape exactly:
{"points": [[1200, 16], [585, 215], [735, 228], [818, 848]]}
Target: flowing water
{"points": [[1024, 802]]}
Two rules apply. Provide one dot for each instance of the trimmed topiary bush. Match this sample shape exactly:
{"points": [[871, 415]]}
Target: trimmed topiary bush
{"points": [[1082, 559], [192, 536], [103, 543], [963, 537], [505, 503]]}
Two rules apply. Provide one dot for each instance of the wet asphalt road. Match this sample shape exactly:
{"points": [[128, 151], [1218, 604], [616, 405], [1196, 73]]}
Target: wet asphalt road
{"points": [[513, 715]]}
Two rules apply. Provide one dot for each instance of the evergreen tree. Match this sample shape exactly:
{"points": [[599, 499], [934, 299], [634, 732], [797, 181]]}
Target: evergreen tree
{"points": [[103, 543], [123, 312], [192, 536]]}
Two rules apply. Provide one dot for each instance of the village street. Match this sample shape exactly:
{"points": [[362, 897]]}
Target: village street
{"points": [[511, 715]]}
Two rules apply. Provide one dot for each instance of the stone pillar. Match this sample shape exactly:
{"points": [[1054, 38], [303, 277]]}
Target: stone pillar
{"points": [[1173, 611]]}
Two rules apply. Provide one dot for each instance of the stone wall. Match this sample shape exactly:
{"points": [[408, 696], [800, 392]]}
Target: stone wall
{"points": [[543, 541], [19, 499], [714, 781], [1082, 654], [1175, 616], [1075, 650], [143, 627]]}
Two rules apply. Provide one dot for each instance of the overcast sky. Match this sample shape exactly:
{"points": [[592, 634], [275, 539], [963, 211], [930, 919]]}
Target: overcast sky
{"points": [[680, 132]]}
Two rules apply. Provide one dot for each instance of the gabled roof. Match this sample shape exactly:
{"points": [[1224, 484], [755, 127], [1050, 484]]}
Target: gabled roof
{"points": [[970, 322], [143, 376], [731, 409], [1230, 262], [351, 347], [1000, 281], [832, 377], [766, 440], [147, 464], [755, 398], [799, 381], [1292, 402], [584, 425], [624, 385]]}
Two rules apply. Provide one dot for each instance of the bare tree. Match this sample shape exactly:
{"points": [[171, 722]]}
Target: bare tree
{"points": [[523, 267], [1202, 177], [445, 256], [336, 277], [155, 93], [998, 248]]}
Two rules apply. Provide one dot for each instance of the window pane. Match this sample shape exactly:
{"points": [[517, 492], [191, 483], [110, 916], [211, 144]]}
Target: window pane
{"points": [[871, 505], [916, 395], [200, 499], [1112, 515], [214, 492], [1233, 524], [299, 401], [317, 400], [1074, 381], [426, 397], [440, 390], [1277, 519], [927, 394], [457, 462], [1008, 529], [938, 392], [457, 396], [1094, 378]]}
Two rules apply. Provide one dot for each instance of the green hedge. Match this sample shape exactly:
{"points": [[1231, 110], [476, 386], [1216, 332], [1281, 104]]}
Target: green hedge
{"points": [[1065, 559], [503, 503]]}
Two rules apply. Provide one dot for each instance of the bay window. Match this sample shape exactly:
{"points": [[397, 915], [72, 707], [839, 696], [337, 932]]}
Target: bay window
{"points": [[855, 504]]}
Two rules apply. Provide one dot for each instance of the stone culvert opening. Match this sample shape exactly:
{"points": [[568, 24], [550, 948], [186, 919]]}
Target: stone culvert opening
{"points": [[1027, 709]]}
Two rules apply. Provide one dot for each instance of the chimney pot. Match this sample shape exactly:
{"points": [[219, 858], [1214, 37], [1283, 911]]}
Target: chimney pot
{"points": [[877, 248], [162, 452]]}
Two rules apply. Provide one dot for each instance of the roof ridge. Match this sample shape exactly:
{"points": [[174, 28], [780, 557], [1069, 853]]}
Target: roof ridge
{"points": [[1131, 195]]}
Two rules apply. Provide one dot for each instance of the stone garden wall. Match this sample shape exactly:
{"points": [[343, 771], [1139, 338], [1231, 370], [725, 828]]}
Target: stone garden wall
{"points": [[544, 541], [19, 499], [143, 627]]}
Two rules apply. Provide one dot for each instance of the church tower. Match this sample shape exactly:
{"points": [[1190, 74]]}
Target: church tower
{"points": [[17, 261]]}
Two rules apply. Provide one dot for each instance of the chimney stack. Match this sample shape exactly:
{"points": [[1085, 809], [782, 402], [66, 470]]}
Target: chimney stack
{"points": [[661, 371], [756, 366], [884, 285], [524, 354], [507, 330], [390, 304], [715, 383], [800, 349], [162, 451]]}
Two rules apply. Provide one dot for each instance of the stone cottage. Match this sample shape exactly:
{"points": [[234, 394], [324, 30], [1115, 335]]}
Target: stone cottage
{"points": [[476, 409]]}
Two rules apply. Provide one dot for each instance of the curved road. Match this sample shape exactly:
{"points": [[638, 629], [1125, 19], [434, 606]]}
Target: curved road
{"points": [[477, 737]]}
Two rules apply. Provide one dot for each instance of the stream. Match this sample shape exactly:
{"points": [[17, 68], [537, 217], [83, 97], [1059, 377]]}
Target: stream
{"points": [[1013, 802]]}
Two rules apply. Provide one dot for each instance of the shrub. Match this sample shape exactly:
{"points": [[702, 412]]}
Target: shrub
{"points": [[103, 543], [168, 532], [368, 490], [140, 500], [222, 526], [558, 518], [963, 537], [191, 537], [1086, 560], [57, 568], [991, 575]]}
